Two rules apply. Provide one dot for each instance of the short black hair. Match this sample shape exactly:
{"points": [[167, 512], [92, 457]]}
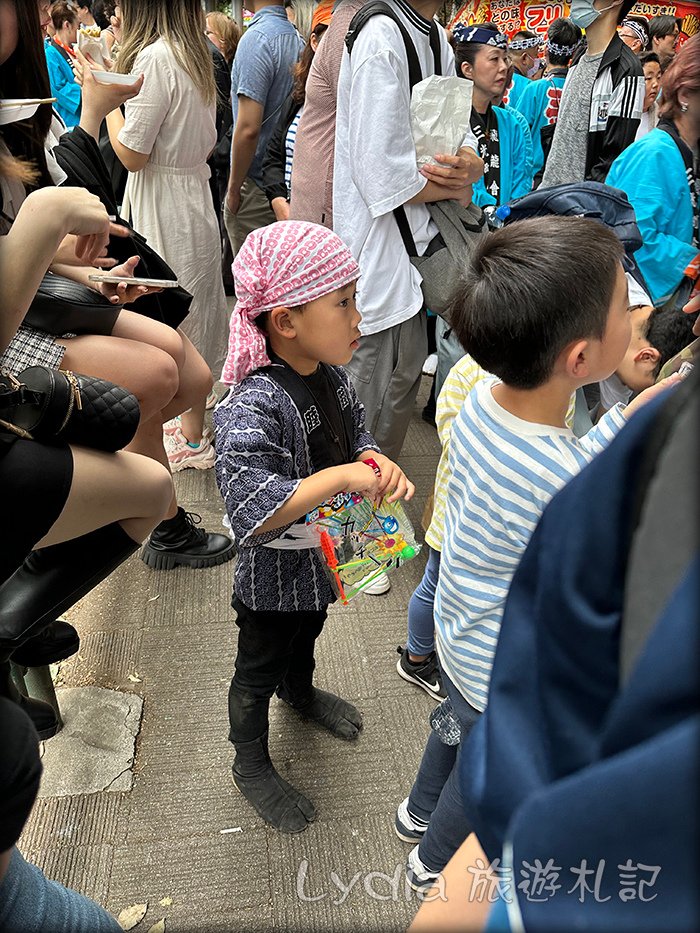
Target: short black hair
{"points": [[523, 34], [467, 51], [102, 11], [624, 10], [661, 26], [84, 4], [532, 288], [646, 57], [669, 330], [563, 31]]}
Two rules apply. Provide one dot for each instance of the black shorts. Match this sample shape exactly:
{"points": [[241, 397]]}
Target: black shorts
{"points": [[35, 480]]}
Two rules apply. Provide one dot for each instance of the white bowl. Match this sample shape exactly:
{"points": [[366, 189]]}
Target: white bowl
{"points": [[109, 77], [14, 110]]}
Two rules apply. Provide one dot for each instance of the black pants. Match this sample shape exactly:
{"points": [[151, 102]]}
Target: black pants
{"points": [[275, 650]]}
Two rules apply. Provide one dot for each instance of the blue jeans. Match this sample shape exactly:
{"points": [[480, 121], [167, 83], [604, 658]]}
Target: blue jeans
{"points": [[30, 903], [421, 624], [436, 795]]}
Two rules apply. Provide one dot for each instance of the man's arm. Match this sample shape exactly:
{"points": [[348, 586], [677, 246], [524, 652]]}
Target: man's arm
{"points": [[243, 146]]}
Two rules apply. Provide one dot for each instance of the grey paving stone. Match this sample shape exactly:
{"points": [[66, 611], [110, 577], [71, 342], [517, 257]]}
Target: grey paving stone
{"points": [[95, 749]]}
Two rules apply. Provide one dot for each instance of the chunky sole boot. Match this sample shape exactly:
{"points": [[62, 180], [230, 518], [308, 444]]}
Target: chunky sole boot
{"points": [[275, 800], [42, 715], [54, 578], [177, 542], [58, 641], [333, 713]]}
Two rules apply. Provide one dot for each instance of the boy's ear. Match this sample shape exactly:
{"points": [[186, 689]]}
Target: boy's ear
{"points": [[281, 323], [576, 359], [647, 355]]}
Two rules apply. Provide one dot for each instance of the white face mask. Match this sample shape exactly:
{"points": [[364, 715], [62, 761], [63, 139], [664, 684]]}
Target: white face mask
{"points": [[531, 72], [583, 13]]}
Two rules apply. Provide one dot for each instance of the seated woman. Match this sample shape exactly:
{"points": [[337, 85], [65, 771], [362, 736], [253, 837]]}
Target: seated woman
{"points": [[86, 511], [481, 54], [658, 175]]}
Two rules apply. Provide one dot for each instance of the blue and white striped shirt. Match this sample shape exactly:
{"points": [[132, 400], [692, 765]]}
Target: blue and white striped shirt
{"points": [[504, 471]]}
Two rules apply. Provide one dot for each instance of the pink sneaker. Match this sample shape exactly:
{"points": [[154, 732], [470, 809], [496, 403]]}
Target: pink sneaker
{"points": [[182, 456]]}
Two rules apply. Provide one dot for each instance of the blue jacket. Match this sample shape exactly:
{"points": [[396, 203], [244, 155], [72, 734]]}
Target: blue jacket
{"points": [[63, 86], [535, 103], [518, 85], [516, 159], [652, 174]]}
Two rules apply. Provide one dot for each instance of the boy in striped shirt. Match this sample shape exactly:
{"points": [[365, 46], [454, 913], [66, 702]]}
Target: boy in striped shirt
{"points": [[544, 307]]}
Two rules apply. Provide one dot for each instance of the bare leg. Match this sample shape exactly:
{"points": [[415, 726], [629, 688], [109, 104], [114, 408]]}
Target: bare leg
{"points": [[123, 487], [195, 384]]}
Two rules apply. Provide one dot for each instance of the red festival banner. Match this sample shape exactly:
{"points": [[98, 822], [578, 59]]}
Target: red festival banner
{"points": [[512, 15]]}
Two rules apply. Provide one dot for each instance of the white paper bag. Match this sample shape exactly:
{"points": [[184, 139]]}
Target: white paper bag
{"points": [[96, 48], [440, 112]]}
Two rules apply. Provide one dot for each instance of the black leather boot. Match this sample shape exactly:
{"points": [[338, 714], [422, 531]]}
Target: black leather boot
{"points": [[42, 714], [277, 802], [333, 713], [177, 542], [53, 578], [58, 641]]}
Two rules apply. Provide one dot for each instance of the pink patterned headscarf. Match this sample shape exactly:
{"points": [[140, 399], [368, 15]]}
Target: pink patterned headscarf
{"points": [[287, 263]]}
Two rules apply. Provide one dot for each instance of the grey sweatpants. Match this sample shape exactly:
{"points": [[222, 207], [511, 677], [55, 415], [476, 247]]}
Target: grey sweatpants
{"points": [[386, 372]]}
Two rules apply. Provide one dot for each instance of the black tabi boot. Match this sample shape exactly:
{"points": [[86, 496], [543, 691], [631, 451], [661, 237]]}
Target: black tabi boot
{"points": [[277, 802], [42, 714], [333, 713], [54, 578], [177, 542]]}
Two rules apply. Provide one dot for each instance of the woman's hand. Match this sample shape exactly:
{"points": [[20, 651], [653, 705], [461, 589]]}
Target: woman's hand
{"points": [[100, 99], [122, 293], [392, 479], [66, 254], [648, 394], [83, 214]]}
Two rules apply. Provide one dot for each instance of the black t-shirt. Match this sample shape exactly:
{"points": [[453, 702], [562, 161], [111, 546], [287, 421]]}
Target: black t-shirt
{"points": [[20, 771], [326, 399]]}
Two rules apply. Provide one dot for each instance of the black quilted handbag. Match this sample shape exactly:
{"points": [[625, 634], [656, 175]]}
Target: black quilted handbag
{"points": [[62, 306], [61, 407]]}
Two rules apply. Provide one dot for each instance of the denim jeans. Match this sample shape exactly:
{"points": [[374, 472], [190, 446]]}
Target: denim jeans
{"points": [[436, 795], [30, 903], [421, 624], [275, 652]]}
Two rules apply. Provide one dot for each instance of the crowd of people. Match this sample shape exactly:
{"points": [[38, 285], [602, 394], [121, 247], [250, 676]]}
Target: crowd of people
{"points": [[553, 624]]}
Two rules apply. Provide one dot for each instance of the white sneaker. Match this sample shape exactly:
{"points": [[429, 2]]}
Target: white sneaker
{"points": [[379, 586], [418, 876], [430, 365]]}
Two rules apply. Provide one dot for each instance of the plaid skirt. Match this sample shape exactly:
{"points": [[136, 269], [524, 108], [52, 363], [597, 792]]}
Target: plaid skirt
{"points": [[31, 347]]}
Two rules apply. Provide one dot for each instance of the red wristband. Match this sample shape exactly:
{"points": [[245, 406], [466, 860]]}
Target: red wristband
{"points": [[370, 461]]}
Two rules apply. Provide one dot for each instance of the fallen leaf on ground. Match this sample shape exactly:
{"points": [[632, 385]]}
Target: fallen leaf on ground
{"points": [[158, 927], [130, 916], [166, 902], [134, 678]]}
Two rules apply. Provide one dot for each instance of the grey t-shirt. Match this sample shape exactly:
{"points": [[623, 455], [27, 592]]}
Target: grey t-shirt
{"points": [[567, 158]]}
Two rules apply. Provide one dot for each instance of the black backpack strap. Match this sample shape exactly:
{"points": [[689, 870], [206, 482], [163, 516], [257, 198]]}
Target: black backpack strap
{"points": [[320, 446], [377, 8], [415, 74]]}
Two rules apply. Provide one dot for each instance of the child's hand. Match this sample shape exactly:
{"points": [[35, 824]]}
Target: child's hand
{"points": [[393, 479], [360, 477], [648, 394]]}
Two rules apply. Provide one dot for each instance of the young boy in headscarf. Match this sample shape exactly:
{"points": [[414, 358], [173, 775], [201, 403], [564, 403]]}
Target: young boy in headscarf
{"points": [[289, 436]]}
